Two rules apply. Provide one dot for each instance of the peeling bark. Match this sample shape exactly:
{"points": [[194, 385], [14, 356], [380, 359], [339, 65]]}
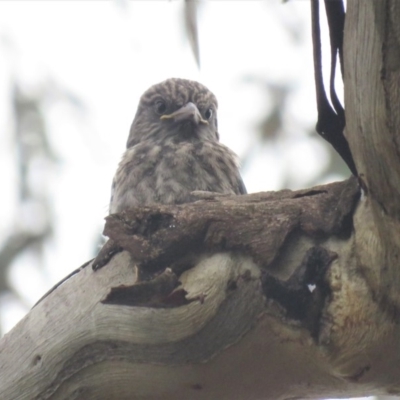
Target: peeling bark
{"points": [[257, 225]]}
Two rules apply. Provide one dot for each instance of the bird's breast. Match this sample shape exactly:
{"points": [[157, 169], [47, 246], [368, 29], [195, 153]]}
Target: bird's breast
{"points": [[167, 172]]}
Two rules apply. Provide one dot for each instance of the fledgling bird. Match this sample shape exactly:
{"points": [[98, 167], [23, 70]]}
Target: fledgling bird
{"points": [[173, 149]]}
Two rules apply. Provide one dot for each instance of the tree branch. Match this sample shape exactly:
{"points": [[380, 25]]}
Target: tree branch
{"points": [[224, 326], [257, 225]]}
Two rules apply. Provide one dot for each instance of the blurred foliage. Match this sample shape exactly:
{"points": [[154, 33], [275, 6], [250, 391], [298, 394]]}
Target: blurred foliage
{"points": [[34, 157], [35, 162], [190, 23], [273, 128]]}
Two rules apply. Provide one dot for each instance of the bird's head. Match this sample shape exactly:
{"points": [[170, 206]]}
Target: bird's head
{"points": [[176, 108]]}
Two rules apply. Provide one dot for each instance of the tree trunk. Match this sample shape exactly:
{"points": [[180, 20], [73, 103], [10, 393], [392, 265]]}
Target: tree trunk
{"points": [[263, 296]]}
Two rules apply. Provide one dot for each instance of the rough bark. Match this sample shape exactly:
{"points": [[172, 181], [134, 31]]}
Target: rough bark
{"points": [[264, 296], [372, 96]]}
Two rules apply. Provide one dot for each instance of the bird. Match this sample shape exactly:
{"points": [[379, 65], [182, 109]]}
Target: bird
{"points": [[173, 149]]}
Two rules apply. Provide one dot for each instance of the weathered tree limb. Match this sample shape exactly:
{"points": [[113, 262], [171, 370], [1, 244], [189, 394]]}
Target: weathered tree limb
{"points": [[237, 324], [234, 311], [257, 225]]}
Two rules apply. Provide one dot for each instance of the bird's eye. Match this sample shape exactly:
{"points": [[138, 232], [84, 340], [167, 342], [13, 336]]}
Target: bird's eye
{"points": [[160, 107], [208, 114]]}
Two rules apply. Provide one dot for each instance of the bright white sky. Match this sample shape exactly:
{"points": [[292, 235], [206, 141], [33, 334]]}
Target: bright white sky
{"points": [[107, 53]]}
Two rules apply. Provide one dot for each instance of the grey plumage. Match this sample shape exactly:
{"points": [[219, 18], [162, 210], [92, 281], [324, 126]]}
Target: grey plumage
{"points": [[173, 149]]}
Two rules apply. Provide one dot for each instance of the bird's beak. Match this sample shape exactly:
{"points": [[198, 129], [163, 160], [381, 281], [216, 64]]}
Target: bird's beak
{"points": [[189, 112]]}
